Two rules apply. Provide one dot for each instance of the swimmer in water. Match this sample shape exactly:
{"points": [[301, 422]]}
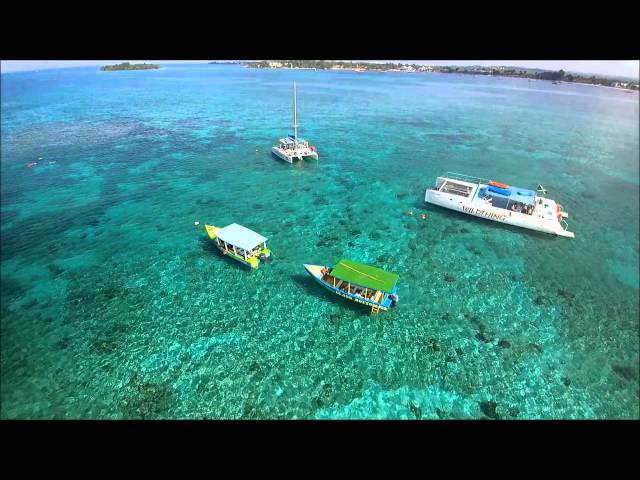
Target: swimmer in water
{"points": [[409, 212], [423, 216]]}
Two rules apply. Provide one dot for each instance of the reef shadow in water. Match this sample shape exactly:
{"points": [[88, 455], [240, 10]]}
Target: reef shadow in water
{"points": [[146, 399]]}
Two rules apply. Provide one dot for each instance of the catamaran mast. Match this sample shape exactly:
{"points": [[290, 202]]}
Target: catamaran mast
{"points": [[295, 117]]}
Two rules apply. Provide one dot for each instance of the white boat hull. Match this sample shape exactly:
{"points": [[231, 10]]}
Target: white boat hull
{"points": [[291, 156], [538, 221]]}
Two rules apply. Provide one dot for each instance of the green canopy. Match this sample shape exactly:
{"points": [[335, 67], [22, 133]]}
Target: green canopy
{"points": [[364, 275]]}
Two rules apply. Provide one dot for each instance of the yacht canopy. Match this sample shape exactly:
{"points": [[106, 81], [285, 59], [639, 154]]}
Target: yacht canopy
{"points": [[290, 141], [240, 236], [518, 195]]}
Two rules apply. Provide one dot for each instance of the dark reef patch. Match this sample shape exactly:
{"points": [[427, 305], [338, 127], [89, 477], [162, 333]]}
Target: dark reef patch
{"points": [[484, 336], [254, 367], [328, 240], [416, 410], [384, 258], [489, 409], [7, 216], [374, 235], [112, 291], [624, 372], [55, 269], [535, 347], [63, 344], [504, 343], [449, 278], [147, 398], [31, 304], [566, 294], [473, 249], [540, 300], [325, 397], [104, 346], [433, 345]]}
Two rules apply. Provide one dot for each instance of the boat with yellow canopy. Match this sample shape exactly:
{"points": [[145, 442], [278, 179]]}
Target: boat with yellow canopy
{"points": [[240, 243]]}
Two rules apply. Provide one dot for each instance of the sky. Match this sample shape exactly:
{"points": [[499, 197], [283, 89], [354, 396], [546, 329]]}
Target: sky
{"points": [[624, 68]]}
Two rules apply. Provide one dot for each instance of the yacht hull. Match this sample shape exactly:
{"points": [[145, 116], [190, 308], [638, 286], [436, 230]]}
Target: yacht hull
{"points": [[295, 157], [500, 215]]}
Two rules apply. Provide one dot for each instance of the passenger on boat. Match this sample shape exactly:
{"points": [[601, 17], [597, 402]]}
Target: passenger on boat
{"points": [[513, 207]]}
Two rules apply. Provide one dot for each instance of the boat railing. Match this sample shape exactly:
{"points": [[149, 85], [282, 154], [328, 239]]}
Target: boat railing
{"points": [[466, 178], [565, 224]]}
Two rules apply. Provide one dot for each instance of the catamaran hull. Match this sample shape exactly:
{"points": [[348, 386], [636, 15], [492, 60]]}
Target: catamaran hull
{"points": [[500, 215], [316, 274], [293, 158]]}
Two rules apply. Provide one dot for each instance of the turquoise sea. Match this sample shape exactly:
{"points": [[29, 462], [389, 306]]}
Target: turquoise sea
{"points": [[114, 305]]}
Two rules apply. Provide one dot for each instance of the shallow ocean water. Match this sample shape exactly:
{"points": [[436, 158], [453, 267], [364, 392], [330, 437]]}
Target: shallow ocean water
{"points": [[114, 305]]}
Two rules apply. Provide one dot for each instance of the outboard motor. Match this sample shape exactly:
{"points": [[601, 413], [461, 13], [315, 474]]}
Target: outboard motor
{"points": [[263, 258], [394, 299]]}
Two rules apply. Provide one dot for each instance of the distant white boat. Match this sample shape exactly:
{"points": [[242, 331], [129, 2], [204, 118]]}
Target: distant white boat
{"points": [[292, 148], [499, 202]]}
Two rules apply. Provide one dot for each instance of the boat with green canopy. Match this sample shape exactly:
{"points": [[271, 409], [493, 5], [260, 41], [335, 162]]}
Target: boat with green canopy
{"points": [[359, 283]]}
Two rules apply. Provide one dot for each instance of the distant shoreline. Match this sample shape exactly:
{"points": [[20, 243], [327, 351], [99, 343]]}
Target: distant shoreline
{"points": [[460, 73], [501, 72]]}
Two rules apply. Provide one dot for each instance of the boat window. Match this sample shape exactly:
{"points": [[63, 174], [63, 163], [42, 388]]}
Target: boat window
{"points": [[456, 189]]}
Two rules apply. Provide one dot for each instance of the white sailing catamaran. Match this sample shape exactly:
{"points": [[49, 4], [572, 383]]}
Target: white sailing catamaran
{"points": [[499, 202], [292, 148]]}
